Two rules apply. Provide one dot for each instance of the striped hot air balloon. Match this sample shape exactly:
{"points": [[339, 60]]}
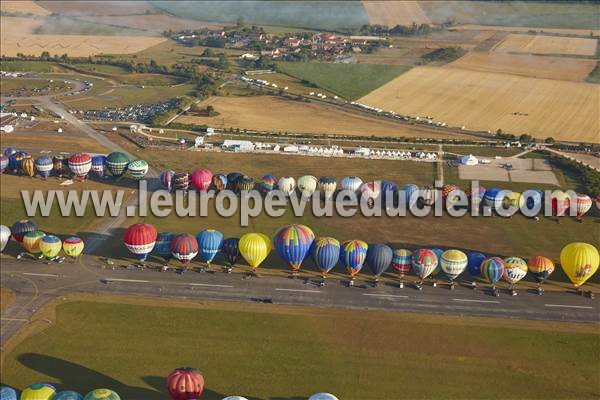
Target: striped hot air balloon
{"points": [[402, 261], [201, 179], [184, 247], [515, 269], [99, 165], [31, 243], [140, 240], [327, 186], [352, 256], [286, 185], [163, 245], [325, 253], [292, 243], [28, 167], [560, 202], [44, 166], [351, 183], [22, 227], [137, 169], [245, 183], [231, 249], [492, 270], [182, 181], [453, 263], [185, 384], [583, 204], [50, 246], [3, 163], [61, 163], [540, 268], [80, 165], [116, 163], [210, 242], [219, 182], [73, 246], [424, 262]]}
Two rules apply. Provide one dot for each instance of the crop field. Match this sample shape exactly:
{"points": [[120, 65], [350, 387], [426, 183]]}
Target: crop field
{"points": [[350, 81], [534, 66], [67, 25], [540, 44], [392, 13], [582, 32], [544, 107], [46, 139], [22, 6], [156, 23], [29, 66], [291, 116], [367, 364], [67, 7]]}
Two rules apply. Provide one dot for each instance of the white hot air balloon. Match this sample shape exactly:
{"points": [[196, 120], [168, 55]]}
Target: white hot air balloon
{"points": [[4, 236], [351, 183], [322, 396], [287, 184], [307, 185]]}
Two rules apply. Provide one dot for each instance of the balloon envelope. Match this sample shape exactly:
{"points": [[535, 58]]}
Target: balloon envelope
{"points": [[44, 166], [219, 181], [245, 183], [38, 391], [254, 248], [20, 228], [28, 167], [201, 179], [268, 183], [210, 242], [8, 393], [31, 242], [474, 263], [322, 396], [540, 267], [102, 394], [579, 261], [4, 237], [292, 243], [116, 163], [325, 253], [287, 184], [140, 240], [137, 169], [80, 164], [515, 269], [181, 181], [68, 395], [379, 258], [231, 250], [453, 263], [351, 183], [163, 245], [185, 384], [402, 260], [50, 246], [307, 185], [327, 186], [352, 255], [73, 246], [492, 269], [424, 262], [583, 204], [167, 179], [184, 247]]}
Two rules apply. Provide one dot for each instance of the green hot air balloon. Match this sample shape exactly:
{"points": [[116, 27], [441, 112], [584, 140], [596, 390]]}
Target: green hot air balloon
{"points": [[116, 163], [137, 169], [102, 394]]}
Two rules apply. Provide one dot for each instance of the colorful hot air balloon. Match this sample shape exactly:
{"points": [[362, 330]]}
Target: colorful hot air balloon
{"points": [[116, 163], [167, 179], [185, 384], [61, 163], [352, 256], [492, 270], [512, 202], [8, 393], [38, 391], [286, 185], [232, 180], [44, 166], [560, 202], [4, 237], [21, 228], [438, 253], [370, 191], [351, 183], [540, 268], [68, 395], [31, 242], [50, 246], [379, 258], [326, 186], [102, 394], [9, 151], [325, 253], [137, 169], [307, 185], [424, 262], [140, 240], [429, 195], [453, 263], [182, 181], [515, 269], [254, 248], [579, 261], [73, 246], [598, 202], [184, 247], [99, 165], [322, 396], [210, 243], [201, 179], [450, 193], [267, 183], [219, 181], [3, 163], [402, 262], [163, 245], [28, 167], [583, 204], [80, 165], [292, 243], [231, 249], [245, 183], [476, 195]]}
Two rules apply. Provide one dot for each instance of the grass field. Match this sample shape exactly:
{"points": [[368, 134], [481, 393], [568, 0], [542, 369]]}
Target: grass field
{"points": [[350, 81], [539, 44], [102, 68], [377, 358], [488, 101], [28, 66], [51, 140]]}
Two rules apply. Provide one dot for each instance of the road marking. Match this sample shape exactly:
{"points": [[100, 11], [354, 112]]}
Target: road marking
{"points": [[125, 280], [477, 301], [398, 296], [36, 274], [567, 306], [298, 290], [211, 285], [14, 319]]}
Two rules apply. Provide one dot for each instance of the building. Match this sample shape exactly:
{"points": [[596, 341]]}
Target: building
{"points": [[248, 56], [469, 160], [238, 145]]}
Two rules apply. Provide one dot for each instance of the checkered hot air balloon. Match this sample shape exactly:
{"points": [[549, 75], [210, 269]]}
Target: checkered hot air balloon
{"points": [[116, 163], [80, 165], [44, 166], [292, 243], [137, 169], [140, 240]]}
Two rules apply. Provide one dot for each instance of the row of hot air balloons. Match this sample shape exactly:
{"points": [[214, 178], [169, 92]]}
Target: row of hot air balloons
{"points": [[37, 243], [45, 391], [295, 243], [79, 165]]}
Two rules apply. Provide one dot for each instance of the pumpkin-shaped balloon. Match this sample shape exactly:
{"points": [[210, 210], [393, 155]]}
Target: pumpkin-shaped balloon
{"points": [[579, 261], [80, 165], [28, 167], [201, 179], [185, 384]]}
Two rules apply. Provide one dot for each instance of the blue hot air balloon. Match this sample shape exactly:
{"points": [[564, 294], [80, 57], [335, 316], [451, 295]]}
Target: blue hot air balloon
{"points": [[99, 165], [9, 151], [163, 245], [292, 243], [8, 393], [67, 395], [325, 253], [352, 256], [231, 249], [492, 270], [410, 192], [389, 190], [44, 166], [210, 242], [379, 258], [474, 263], [493, 198]]}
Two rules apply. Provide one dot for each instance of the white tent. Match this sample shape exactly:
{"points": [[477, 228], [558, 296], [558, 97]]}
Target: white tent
{"points": [[469, 160]]}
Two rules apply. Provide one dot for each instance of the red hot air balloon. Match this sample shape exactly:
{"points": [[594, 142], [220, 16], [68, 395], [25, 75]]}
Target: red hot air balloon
{"points": [[201, 179], [80, 164], [185, 384], [140, 240]]}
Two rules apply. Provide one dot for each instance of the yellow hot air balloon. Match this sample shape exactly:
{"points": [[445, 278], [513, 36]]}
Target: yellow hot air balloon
{"points": [[73, 246], [255, 247], [28, 167], [50, 246], [31, 242], [579, 261], [38, 391]]}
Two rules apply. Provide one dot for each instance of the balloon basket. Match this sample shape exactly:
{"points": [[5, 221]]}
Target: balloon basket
{"points": [[452, 287], [540, 290], [434, 284], [401, 285]]}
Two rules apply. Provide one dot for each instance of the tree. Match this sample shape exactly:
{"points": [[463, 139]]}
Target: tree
{"points": [[240, 21], [549, 140]]}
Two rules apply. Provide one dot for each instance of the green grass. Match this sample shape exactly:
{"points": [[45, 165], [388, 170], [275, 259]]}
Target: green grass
{"points": [[484, 151], [28, 66], [282, 352], [102, 68], [350, 81]]}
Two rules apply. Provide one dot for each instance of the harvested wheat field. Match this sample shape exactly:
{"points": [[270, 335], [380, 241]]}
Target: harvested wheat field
{"points": [[22, 6], [157, 23], [91, 7], [547, 45], [269, 113], [489, 101], [562, 31], [392, 13], [548, 67]]}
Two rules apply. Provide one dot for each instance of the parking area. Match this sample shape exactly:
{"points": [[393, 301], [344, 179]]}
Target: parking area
{"points": [[510, 169]]}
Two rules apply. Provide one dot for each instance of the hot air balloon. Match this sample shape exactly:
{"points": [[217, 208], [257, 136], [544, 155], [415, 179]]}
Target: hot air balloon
{"points": [[379, 258], [476, 195], [322, 396], [268, 183], [533, 198], [231, 250], [254, 248], [493, 198], [492, 269], [326, 186], [184, 247], [67, 395], [28, 167], [163, 245], [474, 266], [453, 263], [292, 243], [44, 166], [352, 256], [515, 269], [31, 243], [232, 180], [245, 183], [325, 253], [8, 393], [137, 169], [50, 246], [3, 163], [140, 240], [39, 391], [512, 202], [579, 261], [99, 165], [541, 268], [234, 398], [210, 243], [438, 253], [201, 179], [307, 185], [560, 202], [410, 192], [9, 151], [351, 183], [182, 181], [80, 165], [185, 384], [102, 394], [598, 202], [219, 181], [4, 237], [286, 185], [370, 191], [73, 246], [389, 191], [167, 179], [449, 192], [402, 262], [424, 262], [21, 228], [428, 195], [61, 163], [116, 163], [583, 204]]}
